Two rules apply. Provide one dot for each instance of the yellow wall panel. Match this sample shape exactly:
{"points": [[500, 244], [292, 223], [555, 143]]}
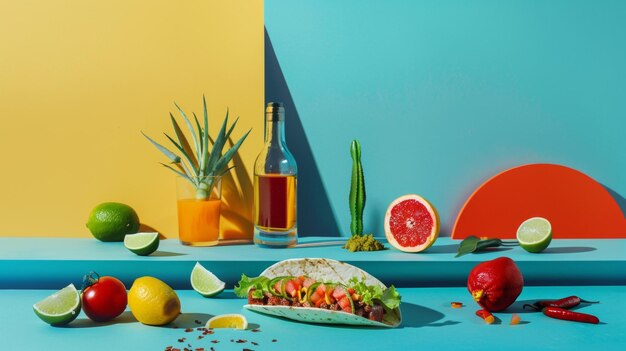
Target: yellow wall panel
{"points": [[80, 79]]}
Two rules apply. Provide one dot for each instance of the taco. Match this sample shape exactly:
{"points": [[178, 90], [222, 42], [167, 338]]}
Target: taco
{"points": [[321, 290]]}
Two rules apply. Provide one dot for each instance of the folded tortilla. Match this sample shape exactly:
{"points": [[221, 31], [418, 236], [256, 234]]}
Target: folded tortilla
{"points": [[325, 270]]}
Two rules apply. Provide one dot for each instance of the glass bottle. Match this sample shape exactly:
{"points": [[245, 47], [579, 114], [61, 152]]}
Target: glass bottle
{"points": [[275, 185]]}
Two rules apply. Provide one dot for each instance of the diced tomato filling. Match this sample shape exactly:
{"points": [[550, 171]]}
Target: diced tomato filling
{"points": [[339, 293], [345, 304], [292, 287]]}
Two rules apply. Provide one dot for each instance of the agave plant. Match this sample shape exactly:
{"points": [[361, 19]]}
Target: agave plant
{"points": [[198, 165]]}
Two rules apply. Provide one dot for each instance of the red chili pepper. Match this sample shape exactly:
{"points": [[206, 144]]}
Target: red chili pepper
{"points": [[561, 313], [486, 316], [566, 302]]}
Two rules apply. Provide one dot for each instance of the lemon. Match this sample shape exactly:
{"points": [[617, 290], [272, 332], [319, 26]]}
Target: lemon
{"points": [[111, 221], [534, 234], [232, 321], [59, 308], [153, 302], [204, 282], [143, 244]]}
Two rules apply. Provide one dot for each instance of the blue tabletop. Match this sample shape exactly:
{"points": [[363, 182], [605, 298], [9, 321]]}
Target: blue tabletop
{"points": [[428, 323]]}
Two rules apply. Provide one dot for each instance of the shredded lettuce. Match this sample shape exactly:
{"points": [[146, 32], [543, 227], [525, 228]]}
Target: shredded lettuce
{"points": [[247, 283], [389, 297]]}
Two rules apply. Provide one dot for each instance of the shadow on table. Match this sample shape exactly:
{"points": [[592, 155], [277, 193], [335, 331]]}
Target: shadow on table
{"points": [[322, 243], [415, 316], [125, 317], [166, 254], [442, 249], [569, 249], [190, 320]]}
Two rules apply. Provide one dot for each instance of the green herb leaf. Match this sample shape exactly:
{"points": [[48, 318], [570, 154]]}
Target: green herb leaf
{"points": [[246, 283], [473, 244]]}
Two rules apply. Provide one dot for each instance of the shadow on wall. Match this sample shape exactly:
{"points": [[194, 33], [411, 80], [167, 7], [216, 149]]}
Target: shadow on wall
{"points": [[621, 202], [315, 216]]}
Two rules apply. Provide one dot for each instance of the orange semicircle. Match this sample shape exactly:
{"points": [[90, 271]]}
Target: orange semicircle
{"points": [[576, 205]]}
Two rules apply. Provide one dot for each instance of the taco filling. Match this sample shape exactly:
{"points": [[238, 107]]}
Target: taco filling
{"points": [[354, 297]]}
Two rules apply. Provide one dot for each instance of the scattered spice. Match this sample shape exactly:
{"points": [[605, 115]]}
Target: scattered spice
{"points": [[365, 242], [188, 330], [212, 349], [200, 328], [200, 337], [254, 343], [181, 340], [274, 340], [256, 330], [199, 348], [455, 304], [198, 322], [247, 349], [215, 341], [241, 341]]}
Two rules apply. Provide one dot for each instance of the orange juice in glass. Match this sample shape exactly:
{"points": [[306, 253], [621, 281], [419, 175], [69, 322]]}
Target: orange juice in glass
{"points": [[199, 204]]}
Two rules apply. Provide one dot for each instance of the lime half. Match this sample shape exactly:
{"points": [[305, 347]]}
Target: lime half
{"points": [[59, 308], [535, 234], [142, 244], [205, 282]]}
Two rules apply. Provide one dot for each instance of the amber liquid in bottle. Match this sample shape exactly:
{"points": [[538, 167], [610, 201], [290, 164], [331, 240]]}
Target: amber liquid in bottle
{"points": [[275, 202], [275, 185]]}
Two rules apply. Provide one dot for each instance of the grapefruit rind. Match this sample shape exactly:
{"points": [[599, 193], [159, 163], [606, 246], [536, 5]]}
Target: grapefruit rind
{"points": [[433, 234]]}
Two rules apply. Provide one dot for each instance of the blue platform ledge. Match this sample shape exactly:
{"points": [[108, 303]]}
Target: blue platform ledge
{"points": [[51, 263]]}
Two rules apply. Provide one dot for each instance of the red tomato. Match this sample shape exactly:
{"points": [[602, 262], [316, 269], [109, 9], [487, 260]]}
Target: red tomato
{"points": [[105, 299]]}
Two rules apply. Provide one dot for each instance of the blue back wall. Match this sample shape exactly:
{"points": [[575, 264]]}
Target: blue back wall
{"points": [[442, 95]]}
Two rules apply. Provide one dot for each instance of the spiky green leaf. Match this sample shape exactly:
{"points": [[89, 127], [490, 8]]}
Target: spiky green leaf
{"points": [[196, 143], [189, 170], [189, 179], [216, 152], [170, 155], [223, 161], [184, 144]]}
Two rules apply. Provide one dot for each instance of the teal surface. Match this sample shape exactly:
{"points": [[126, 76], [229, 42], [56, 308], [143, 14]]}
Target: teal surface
{"points": [[445, 94], [429, 323], [52, 263]]}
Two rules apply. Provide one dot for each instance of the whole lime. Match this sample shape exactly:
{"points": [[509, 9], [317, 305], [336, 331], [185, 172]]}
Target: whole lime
{"points": [[111, 221]]}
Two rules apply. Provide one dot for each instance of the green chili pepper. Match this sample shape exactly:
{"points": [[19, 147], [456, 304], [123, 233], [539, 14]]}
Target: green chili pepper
{"points": [[357, 190]]}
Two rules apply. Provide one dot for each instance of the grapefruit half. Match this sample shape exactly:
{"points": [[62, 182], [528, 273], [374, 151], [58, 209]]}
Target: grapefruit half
{"points": [[411, 223]]}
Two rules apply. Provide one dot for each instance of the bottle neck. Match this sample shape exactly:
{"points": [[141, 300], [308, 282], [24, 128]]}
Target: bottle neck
{"points": [[275, 132]]}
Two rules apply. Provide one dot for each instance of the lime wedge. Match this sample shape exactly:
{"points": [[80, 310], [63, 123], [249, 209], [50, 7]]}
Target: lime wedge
{"points": [[59, 308], [535, 234], [142, 244], [205, 282]]}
